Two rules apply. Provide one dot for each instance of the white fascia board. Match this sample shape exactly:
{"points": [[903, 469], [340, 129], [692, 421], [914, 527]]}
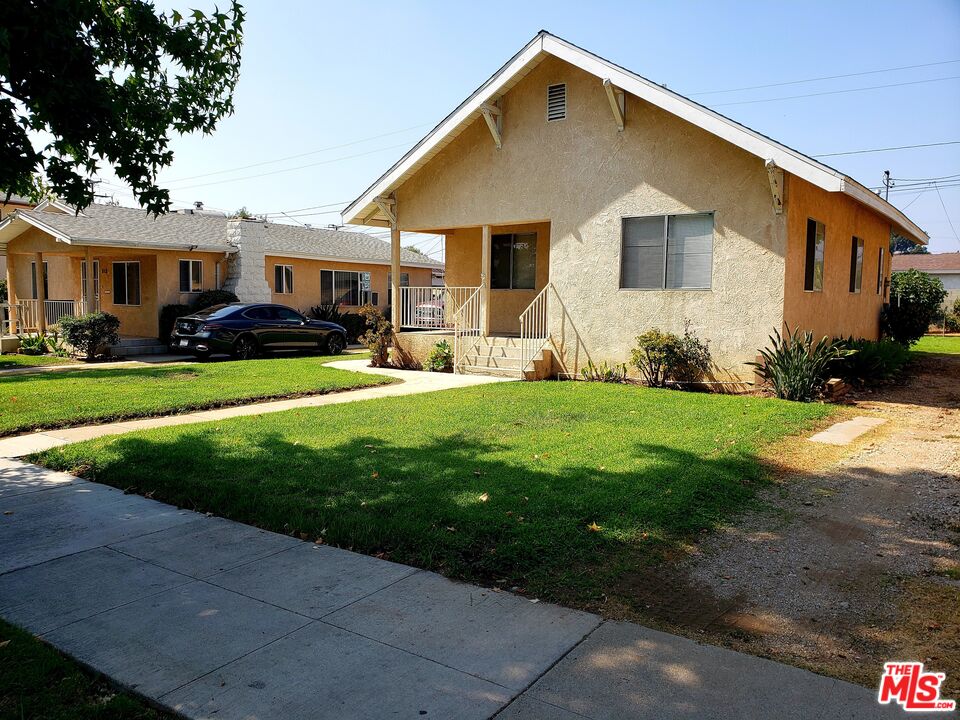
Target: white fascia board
{"points": [[59, 236], [133, 244], [341, 259], [352, 214], [875, 202]]}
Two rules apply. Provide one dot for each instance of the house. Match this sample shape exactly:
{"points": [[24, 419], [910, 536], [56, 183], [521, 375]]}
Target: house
{"points": [[126, 262], [7, 206], [945, 266], [583, 204]]}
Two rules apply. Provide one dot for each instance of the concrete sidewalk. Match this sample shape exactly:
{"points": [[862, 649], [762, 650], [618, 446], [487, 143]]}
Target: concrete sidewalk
{"points": [[412, 383], [221, 620]]}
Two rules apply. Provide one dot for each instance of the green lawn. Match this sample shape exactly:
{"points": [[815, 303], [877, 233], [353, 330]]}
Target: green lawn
{"points": [[58, 399], [38, 682], [938, 344], [548, 486], [10, 360]]}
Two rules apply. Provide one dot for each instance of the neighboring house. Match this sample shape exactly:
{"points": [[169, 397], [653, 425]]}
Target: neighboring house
{"points": [[945, 266], [126, 262], [7, 206], [583, 204]]}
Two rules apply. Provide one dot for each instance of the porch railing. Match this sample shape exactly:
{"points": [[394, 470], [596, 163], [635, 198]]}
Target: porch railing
{"points": [[535, 327], [28, 313], [466, 330], [431, 308]]}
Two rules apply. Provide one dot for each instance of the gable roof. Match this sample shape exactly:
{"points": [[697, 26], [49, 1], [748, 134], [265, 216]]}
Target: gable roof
{"points": [[115, 226], [946, 263], [364, 209]]}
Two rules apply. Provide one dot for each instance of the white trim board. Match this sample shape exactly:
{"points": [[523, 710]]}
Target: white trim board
{"points": [[364, 210]]}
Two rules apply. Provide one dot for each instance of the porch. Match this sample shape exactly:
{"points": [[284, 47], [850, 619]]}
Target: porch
{"points": [[497, 316]]}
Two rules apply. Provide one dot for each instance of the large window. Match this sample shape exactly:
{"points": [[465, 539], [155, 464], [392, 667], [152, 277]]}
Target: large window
{"points": [[283, 279], [191, 276], [46, 280], [344, 287], [856, 264], [126, 283], [673, 252], [513, 261], [813, 263]]}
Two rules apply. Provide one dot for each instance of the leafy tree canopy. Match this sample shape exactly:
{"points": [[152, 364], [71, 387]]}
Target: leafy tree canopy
{"points": [[899, 245], [915, 299], [107, 81]]}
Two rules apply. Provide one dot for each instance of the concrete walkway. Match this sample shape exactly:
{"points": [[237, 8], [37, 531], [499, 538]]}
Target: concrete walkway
{"points": [[221, 620], [412, 383]]}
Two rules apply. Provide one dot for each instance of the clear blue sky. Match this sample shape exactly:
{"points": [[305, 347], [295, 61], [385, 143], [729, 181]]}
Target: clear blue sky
{"points": [[321, 74]]}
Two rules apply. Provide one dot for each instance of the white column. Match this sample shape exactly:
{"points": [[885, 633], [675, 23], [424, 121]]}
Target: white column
{"points": [[397, 309], [485, 281], [41, 296], [12, 293], [88, 279]]}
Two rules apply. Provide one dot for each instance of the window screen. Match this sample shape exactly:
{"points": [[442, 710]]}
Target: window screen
{"points": [[673, 251], [513, 261], [283, 279], [191, 276], [126, 283]]}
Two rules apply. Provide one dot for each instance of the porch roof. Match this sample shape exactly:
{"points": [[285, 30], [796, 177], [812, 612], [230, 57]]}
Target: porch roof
{"points": [[365, 210]]}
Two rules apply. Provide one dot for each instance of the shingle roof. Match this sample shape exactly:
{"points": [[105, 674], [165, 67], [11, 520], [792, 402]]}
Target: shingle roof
{"points": [[931, 263], [106, 224]]}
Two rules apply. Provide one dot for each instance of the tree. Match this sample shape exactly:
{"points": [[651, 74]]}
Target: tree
{"points": [[899, 245], [241, 214], [417, 251], [108, 81], [915, 299]]}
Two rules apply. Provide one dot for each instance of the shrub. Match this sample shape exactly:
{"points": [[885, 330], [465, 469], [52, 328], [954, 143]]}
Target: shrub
{"points": [[663, 357], [795, 367], [353, 323], [604, 372], [378, 335], [56, 344], [915, 298], [440, 358], [91, 334], [328, 313], [209, 298], [951, 322], [32, 344], [870, 361], [168, 317]]}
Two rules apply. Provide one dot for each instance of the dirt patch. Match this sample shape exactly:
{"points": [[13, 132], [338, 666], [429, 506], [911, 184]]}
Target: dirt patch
{"points": [[852, 557]]}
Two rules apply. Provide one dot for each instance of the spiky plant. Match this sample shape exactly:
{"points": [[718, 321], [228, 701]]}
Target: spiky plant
{"points": [[796, 367]]}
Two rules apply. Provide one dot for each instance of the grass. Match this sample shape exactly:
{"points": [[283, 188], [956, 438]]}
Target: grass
{"points": [[9, 361], [38, 682], [547, 486], [59, 399], [942, 345]]}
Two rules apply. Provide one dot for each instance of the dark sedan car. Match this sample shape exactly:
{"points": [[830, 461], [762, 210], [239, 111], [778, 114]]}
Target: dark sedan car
{"points": [[245, 330]]}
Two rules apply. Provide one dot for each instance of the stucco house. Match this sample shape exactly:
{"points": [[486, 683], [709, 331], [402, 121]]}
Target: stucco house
{"points": [[126, 262], [945, 266], [583, 204]]}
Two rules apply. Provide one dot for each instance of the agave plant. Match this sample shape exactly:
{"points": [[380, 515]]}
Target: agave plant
{"points": [[796, 367]]}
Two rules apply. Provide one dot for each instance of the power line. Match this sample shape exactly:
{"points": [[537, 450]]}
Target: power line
{"points": [[887, 149], [825, 77], [838, 92], [947, 215]]}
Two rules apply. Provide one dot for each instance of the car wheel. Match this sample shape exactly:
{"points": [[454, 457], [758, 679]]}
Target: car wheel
{"points": [[245, 348], [335, 344]]}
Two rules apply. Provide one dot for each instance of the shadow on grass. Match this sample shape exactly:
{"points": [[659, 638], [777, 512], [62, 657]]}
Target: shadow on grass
{"points": [[467, 508]]}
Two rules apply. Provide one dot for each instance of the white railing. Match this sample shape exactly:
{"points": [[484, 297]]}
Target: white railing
{"points": [[431, 308], [28, 313], [53, 310], [466, 328], [535, 327]]}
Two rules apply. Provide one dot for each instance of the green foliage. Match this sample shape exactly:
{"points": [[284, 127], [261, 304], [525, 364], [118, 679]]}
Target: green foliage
{"points": [[91, 334], [327, 313], [56, 344], [604, 373], [870, 361], [241, 214], [353, 323], [168, 318], [662, 357], [440, 358], [109, 80], [3, 290], [377, 337], [209, 298], [899, 245], [32, 344], [915, 300], [796, 367]]}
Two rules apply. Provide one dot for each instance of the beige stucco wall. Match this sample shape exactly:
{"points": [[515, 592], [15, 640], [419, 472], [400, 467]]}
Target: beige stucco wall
{"points": [[583, 177], [834, 311], [306, 279]]}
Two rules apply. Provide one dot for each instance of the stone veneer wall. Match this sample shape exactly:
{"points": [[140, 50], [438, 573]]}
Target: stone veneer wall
{"points": [[246, 271]]}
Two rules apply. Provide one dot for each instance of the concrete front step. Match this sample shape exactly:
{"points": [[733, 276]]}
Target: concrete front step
{"points": [[493, 362], [492, 371]]}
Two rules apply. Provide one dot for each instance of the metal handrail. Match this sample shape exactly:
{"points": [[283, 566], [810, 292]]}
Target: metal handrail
{"points": [[534, 328], [431, 308], [466, 328]]}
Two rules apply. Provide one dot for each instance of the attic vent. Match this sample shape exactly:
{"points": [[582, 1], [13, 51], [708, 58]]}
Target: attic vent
{"points": [[556, 102]]}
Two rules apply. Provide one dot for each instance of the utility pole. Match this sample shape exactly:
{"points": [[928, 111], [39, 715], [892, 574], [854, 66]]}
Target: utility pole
{"points": [[887, 184]]}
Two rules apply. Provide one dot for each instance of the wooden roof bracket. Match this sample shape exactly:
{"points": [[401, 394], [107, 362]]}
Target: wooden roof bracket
{"points": [[775, 174], [494, 117], [617, 103], [387, 205]]}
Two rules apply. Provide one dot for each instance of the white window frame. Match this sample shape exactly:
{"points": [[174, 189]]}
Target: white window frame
{"points": [[666, 251], [858, 249], [286, 283], [216, 275], [96, 279], [126, 287], [362, 295], [823, 258], [190, 280]]}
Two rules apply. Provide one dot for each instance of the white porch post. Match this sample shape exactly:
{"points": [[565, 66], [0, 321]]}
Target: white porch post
{"points": [[485, 281], [12, 294], [397, 310], [88, 279], [41, 296]]}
